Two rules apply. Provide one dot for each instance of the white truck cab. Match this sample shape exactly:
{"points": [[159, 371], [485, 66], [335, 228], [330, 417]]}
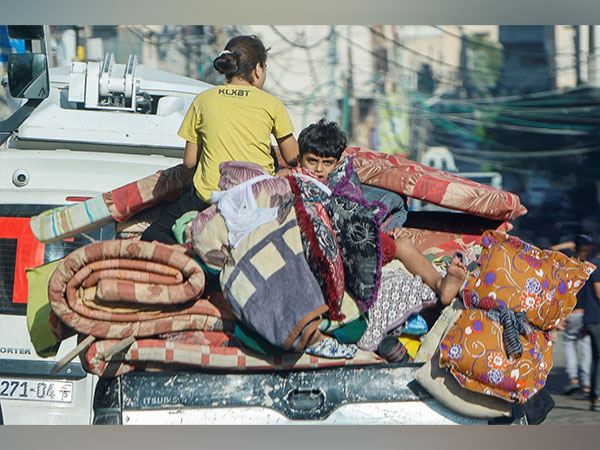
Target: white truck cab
{"points": [[81, 131]]}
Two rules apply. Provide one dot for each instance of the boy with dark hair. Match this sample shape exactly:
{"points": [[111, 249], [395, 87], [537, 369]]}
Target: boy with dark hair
{"points": [[321, 145]]}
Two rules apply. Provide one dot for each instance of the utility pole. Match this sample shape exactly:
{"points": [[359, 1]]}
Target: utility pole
{"points": [[592, 61], [577, 42], [380, 68], [464, 73], [220, 41], [149, 49], [353, 103], [331, 104]]}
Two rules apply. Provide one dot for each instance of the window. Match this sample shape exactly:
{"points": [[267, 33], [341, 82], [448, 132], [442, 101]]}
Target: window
{"points": [[20, 250]]}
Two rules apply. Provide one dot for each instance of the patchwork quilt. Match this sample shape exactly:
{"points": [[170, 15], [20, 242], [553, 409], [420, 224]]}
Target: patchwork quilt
{"points": [[269, 285]]}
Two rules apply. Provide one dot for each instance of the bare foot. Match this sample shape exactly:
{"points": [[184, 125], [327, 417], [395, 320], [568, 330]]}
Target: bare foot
{"points": [[453, 281]]}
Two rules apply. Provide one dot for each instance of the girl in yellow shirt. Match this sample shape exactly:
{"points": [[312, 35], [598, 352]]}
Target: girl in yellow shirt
{"points": [[230, 122]]}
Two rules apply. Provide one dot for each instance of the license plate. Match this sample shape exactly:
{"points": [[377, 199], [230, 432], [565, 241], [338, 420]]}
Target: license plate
{"points": [[38, 390]]}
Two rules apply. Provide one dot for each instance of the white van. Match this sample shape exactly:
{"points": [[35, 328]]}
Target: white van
{"points": [[69, 141]]}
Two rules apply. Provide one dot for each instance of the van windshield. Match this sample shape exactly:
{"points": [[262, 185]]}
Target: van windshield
{"points": [[19, 250]]}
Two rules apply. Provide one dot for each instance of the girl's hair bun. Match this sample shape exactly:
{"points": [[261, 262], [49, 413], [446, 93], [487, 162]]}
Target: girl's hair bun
{"points": [[240, 57], [226, 63]]}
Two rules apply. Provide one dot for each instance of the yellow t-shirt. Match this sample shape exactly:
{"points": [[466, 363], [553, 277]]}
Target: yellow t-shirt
{"points": [[233, 123]]}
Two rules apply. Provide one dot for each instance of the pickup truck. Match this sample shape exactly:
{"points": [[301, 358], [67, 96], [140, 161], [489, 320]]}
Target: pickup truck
{"points": [[73, 139]]}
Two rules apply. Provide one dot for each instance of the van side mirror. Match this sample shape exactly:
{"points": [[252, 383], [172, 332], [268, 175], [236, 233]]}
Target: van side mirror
{"points": [[28, 75]]}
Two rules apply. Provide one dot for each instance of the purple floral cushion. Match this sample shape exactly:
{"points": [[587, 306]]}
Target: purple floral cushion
{"points": [[514, 274], [474, 352]]}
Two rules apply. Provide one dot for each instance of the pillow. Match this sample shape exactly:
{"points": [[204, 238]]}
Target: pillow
{"points": [[410, 178], [445, 389], [319, 243], [209, 237], [514, 274], [432, 339], [356, 224], [237, 172], [473, 350]]}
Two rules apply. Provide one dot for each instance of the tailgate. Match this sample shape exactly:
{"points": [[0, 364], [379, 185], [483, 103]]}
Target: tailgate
{"points": [[345, 395]]}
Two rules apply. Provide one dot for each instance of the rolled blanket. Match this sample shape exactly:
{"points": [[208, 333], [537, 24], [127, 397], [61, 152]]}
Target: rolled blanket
{"points": [[217, 353], [116, 289], [168, 184], [119, 204], [419, 181]]}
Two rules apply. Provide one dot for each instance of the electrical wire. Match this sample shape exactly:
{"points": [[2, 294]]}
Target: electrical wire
{"points": [[530, 154], [509, 50], [297, 44], [431, 58]]}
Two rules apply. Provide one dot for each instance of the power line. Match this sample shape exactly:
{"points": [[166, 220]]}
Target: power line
{"points": [[431, 58], [397, 64], [483, 44], [530, 154], [472, 70], [297, 44]]}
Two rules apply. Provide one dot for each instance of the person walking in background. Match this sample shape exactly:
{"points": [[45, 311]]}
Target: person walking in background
{"points": [[577, 343], [591, 320]]}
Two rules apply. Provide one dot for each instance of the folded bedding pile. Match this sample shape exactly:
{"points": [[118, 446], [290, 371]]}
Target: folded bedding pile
{"points": [[146, 305], [116, 289], [143, 303]]}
